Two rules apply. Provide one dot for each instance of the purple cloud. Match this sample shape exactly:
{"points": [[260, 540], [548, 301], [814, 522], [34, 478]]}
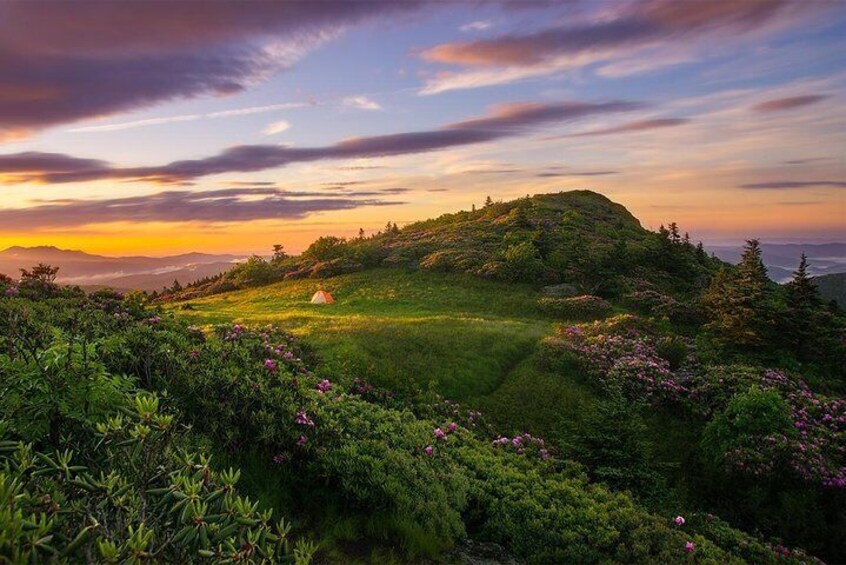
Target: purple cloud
{"points": [[578, 174], [502, 122], [635, 25], [228, 205], [789, 103], [785, 184], [640, 125], [62, 62]]}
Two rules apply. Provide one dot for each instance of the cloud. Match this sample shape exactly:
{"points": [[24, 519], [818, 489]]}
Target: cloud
{"points": [[502, 121], [479, 25], [63, 62], [218, 206], [805, 161], [786, 184], [276, 127], [622, 30], [361, 103], [789, 103], [640, 125], [189, 117], [523, 115], [579, 174]]}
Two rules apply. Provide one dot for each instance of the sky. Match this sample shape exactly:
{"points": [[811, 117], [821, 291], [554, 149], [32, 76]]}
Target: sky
{"points": [[166, 127]]}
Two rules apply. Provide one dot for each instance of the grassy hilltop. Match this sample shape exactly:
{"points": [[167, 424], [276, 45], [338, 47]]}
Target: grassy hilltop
{"points": [[580, 238]]}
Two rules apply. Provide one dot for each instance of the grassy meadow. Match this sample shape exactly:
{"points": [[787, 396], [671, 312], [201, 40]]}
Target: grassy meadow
{"points": [[455, 334]]}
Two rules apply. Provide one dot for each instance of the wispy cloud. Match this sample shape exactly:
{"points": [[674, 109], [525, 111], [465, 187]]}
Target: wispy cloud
{"points": [[503, 121], [788, 184], [189, 117], [632, 127], [788, 103], [622, 30], [276, 127], [64, 62], [479, 25], [578, 174], [218, 206], [361, 103]]}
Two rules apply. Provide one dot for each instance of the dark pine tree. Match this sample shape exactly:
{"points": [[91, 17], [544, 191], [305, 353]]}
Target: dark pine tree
{"points": [[740, 304], [804, 307]]}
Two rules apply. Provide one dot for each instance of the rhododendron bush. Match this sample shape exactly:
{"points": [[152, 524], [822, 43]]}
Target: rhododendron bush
{"points": [[329, 444], [811, 444]]}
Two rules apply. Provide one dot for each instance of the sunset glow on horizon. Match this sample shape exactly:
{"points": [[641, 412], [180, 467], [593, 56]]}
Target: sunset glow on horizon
{"points": [[227, 127]]}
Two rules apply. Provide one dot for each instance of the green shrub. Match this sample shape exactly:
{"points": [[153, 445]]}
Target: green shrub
{"points": [[744, 425], [585, 307]]}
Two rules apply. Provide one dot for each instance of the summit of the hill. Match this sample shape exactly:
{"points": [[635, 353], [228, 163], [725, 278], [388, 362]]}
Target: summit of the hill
{"points": [[578, 237]]}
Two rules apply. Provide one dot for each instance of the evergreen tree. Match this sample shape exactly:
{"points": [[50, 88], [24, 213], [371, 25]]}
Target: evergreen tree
{"points": [[675, 238], [803, 309], [488, 201], [279, 252], [739, 305], [701, 256]]}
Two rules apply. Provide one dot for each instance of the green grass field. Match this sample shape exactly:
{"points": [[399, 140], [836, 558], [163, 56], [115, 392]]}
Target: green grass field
{"points": [[455, 334], [471, 340]]}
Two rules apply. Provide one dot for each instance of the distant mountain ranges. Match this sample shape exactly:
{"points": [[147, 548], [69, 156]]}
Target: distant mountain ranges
{"points": [[121, 273], [781, 259]]}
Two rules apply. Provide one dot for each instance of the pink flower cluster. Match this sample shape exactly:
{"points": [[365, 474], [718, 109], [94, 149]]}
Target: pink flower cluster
{"points": [[234, 333], [303, 419], [815, 450], [441, 434], [523, 444], [628, 360], [324, 386], [449, 409]]}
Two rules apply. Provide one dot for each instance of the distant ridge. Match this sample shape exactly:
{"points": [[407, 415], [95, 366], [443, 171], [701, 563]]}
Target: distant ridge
{"points": [[781, 259], [138, 272]]}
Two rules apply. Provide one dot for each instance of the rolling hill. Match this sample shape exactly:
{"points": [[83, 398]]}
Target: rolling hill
{"points": [[134, 272], [833, 287], [580, 238]]}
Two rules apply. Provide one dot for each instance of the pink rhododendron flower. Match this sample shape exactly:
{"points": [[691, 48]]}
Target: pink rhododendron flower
{"points": [[270, 365], [689, 546], [303, 419], [439, 433], [324, 385], [451, 427], [429, 451], [302, 441], [679, 520]]}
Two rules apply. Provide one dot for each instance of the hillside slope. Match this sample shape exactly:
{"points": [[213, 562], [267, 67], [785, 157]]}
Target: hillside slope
{"points": [[580, 237], [833, 287]]}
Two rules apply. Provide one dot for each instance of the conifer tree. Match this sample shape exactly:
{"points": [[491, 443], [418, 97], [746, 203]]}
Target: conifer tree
{"points": [[803, 309], [739, 304]]}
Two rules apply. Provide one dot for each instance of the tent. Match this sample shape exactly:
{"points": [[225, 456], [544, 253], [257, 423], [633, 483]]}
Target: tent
{"points": [[322, 297]]}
